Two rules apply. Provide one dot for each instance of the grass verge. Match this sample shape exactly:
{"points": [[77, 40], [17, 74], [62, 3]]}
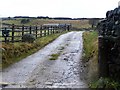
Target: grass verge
{"points": [[90, 45], [90, 58], [90, 55], [14, 52]]}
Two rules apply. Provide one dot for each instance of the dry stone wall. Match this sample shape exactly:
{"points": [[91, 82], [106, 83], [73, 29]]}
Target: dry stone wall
{"points": [[109, 44]]}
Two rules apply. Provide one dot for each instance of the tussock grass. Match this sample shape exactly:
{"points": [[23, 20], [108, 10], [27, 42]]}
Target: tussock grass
{"points": [[14, 52], [54, 56]]}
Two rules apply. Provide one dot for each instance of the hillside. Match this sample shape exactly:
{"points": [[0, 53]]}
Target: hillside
{"points": [[75, 23]]}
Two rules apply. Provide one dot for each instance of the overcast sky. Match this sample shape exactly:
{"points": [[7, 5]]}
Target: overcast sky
{"points": [[56, 8]]}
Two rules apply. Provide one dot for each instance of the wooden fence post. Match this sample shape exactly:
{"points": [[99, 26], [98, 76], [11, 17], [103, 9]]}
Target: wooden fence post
{"points": [[5, 35], [41, 31], [48, 30], [13, 27], [57, 29], [45, 31], [65, 27], [68, 28], [30, 28], [53, 30], [36, 30], [39, 28], [22, 30]]}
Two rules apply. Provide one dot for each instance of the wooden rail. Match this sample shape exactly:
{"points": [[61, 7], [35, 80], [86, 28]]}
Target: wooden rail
{"points": [[14, 33]]}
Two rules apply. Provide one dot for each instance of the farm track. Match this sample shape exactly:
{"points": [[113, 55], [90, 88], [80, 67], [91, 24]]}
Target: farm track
{"points": [[38, 71]]}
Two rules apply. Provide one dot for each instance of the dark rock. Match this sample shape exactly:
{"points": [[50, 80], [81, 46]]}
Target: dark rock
{"points": [[66, 59]]}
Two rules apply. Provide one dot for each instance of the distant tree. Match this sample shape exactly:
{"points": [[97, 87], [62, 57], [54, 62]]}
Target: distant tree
{"points": [[24, 21], [43, 17]]}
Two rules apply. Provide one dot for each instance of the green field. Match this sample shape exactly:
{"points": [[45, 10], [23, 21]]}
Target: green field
{"points": [[75, 23]]}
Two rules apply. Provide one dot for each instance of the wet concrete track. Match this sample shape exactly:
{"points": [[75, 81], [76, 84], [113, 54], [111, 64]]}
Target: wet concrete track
{"points": [[37, 71]]}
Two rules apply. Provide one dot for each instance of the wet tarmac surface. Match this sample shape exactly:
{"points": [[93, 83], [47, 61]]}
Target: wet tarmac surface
{"points": [[38, 71]]}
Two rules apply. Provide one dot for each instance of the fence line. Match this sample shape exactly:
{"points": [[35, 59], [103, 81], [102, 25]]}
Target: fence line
{"points": [[14, 33]]}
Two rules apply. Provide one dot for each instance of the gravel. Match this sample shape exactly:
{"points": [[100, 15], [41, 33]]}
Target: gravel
{"points": [[37, 71]]}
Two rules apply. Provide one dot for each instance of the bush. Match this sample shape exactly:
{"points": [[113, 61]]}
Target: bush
{"points": [[28, 38], [24, 21], [105, 83]]}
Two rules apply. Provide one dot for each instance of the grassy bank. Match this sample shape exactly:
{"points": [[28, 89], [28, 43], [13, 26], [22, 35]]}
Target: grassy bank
{"points": [[90, 45], [90, 56], [14, 52]]}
